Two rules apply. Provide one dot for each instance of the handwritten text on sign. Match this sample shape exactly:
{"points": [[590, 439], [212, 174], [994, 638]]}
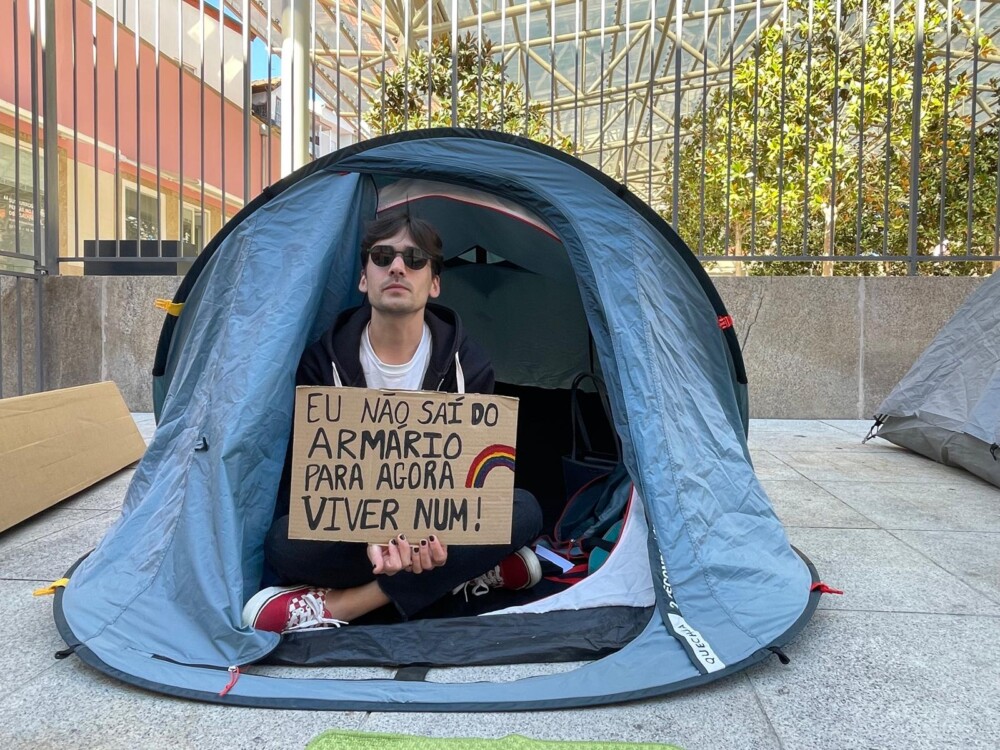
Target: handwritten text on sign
{"points": [[368, 465]]}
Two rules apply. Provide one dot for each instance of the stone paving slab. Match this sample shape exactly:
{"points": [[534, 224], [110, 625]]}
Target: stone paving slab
{"points": [[73, 706], [867, 466], [961, 503], [888, 681], [799, 502], [49, 557], [725, 714], [878, 572], [973, 557]]}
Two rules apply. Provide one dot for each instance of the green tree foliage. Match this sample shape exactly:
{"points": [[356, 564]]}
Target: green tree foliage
{"points": [[812, 153], [487, 98]]}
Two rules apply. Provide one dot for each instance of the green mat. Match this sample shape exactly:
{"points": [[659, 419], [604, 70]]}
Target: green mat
{"points": [[337, 739]]}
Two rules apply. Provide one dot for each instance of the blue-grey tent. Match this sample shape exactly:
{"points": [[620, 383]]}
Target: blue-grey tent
{"points": [[703, 581]]}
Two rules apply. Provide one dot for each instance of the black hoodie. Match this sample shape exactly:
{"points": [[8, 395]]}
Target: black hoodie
{"points": [[340, 347]]}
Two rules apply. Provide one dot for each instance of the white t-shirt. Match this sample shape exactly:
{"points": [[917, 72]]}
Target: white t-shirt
{"points": [[405, 377]]}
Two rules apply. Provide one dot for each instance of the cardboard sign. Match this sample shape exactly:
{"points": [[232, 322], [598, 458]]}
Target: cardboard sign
{"points": [[368, 465]]}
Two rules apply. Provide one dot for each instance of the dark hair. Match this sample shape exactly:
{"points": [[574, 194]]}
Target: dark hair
{"points": [[423, 233]]}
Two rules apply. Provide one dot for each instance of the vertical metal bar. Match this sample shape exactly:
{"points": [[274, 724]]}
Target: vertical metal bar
{"points": [[97, 154], [678, 37], [996, 216], [361, 45], [222, 108], [807, 156], [138, 133], [942, 194], [626, 150], [454, 63], [651, 44], [76, 148], [577, 62], [201, 114], [270, 90], [527, 66], [313, 131], [180, 129], [890, 4], [430, 58], [35, 146], [340, 33], [382, 104], [159, 185], [756, 112], [781, 127], [729, 127], [17, 139], [48, 258], [600, 112], [479, 59], [918, 77], [704, 131], [119, 184], [972, 132], [552, 73], [406, 62], [832, 228], [861, 127], [247, 101], [503, 65]]}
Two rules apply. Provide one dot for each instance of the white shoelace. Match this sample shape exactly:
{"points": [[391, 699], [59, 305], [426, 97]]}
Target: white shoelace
{"points": [[480, 585], [308, 612]]}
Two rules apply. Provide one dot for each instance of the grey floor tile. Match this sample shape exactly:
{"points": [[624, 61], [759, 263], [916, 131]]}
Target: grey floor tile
{"points": [[887, 681], [799, 502], [105, 495], [722, 715], [28, 636], [44, 524], [878, 572], [73, 706], [963, 503], [810, 436], [51, 556], [767, 466], [973, 557], [892, 465]]}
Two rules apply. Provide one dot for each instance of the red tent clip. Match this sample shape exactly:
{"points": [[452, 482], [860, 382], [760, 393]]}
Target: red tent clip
{"points": [[725, 321], [234, 675], [824, 589]]}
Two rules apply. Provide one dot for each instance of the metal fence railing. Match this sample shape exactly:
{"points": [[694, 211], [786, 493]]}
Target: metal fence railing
{"points": [[777, 136]]}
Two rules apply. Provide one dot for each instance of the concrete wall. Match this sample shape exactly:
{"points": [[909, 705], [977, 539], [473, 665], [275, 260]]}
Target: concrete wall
{"points": [[814, 347]]}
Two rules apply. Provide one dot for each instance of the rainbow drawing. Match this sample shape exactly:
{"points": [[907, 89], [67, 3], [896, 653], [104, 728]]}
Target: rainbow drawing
{"points": [[488, 459]]}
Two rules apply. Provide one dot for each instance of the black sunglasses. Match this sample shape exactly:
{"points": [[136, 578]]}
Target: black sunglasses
{"points": [[413, 257]]}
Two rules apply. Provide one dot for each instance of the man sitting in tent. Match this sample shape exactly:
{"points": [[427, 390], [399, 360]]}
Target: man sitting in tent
{"points": [[399, 342]]}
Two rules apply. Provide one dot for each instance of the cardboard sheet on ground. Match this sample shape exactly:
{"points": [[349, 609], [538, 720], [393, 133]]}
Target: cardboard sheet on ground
{"points": [[368, 465]]}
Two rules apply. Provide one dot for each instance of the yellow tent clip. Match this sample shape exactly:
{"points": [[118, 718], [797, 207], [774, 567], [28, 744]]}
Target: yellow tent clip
{"points": [[51, 588], [172, 308]]}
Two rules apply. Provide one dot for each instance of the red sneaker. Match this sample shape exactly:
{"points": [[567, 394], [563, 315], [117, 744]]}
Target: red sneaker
{"points": [[520, 570], [281, 609]]}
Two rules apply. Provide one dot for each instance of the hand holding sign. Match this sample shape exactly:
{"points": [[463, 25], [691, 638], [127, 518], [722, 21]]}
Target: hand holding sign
{"points": [[400, 555]]}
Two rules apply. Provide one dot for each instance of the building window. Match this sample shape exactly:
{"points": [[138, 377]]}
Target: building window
{"points": [[142, 221], [192, 231], [17, 204]]}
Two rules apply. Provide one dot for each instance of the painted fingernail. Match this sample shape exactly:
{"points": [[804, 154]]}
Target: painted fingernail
{"points": [[432, 538], [402, 537], [423, 542], [392, 541]]}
